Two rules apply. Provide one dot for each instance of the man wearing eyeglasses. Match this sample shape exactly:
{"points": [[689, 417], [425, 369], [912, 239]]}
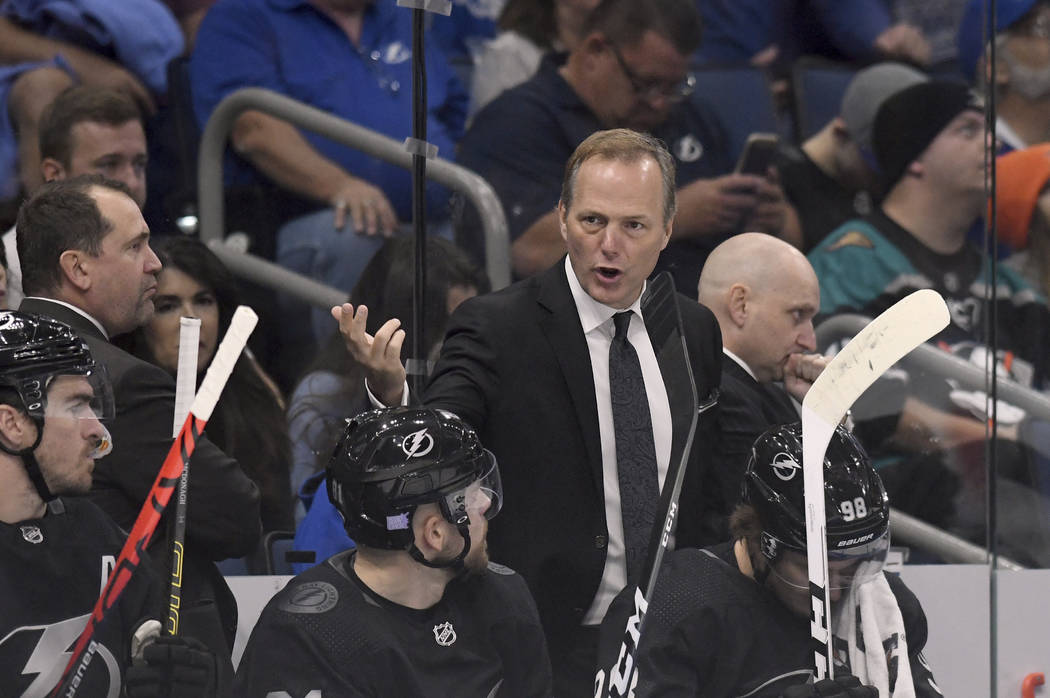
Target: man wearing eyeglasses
{"points": [[630, 71], [1022, 73]]}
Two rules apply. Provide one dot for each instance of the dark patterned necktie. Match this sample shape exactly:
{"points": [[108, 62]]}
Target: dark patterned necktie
{"points": [[635, 452]]}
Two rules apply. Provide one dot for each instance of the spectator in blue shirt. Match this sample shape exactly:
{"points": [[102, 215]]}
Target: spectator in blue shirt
{"points": [[353, 59]]}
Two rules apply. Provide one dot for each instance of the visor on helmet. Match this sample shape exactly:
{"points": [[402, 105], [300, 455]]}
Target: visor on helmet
{"points": [[76, 397], [847, 567], [72, 395], [482, 497]]}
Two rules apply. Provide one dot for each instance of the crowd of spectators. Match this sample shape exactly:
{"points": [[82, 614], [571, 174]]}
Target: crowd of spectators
{"points": [[889, 195]]}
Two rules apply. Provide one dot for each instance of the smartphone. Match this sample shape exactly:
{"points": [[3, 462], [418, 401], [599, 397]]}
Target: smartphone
{"points": [[758, 153]]}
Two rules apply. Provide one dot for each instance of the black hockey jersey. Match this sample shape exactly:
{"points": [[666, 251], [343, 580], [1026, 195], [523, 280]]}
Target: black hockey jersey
{"points": [[711, 632], [327, 635], [52, 571]]}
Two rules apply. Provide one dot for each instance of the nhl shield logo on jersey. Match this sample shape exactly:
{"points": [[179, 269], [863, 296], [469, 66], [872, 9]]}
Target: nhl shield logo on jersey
{"points": [[32, 534], [444, 634]]}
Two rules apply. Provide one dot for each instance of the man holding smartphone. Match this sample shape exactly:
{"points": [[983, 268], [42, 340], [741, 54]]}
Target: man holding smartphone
{"points": [[630, 70]]}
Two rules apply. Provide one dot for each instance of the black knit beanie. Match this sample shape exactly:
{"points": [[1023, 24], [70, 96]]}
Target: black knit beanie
{"points": [[907, 122]]}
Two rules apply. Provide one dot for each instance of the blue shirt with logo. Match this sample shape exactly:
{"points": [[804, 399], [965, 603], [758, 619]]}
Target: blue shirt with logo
{"points": [[289, 46]]}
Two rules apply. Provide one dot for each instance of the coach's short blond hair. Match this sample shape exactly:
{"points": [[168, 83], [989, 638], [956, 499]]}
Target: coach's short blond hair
{"points": [[627, 146]]}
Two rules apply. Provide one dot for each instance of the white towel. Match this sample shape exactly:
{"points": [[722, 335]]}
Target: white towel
{"points": [[879, 643]]}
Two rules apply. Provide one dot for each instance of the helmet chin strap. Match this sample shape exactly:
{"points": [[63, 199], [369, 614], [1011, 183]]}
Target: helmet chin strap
{"points": [[455, 564], [29, 461]]}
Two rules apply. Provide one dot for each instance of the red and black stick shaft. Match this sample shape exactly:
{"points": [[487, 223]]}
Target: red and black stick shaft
{"points": [[242, 324]]}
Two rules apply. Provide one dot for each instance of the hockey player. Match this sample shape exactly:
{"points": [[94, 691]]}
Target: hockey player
{"points": [[733, 619], [57, 553], [416, 609]]}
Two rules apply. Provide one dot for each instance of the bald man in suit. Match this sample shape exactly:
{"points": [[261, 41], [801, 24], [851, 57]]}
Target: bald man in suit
{"points": [[764, 295]]}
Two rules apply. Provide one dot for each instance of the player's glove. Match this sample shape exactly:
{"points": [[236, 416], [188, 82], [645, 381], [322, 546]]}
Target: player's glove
{"points": [[172, 667], [844, 686]]}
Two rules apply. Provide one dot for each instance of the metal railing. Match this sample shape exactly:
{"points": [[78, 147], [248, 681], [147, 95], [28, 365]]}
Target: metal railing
{"points": [[929, 359], [444, 172], [905, 528]]}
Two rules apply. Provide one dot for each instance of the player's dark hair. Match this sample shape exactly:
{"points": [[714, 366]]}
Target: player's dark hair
{"points": [[10, 396], [623, 22], [248, 423], [60, 216], [80, 104]]}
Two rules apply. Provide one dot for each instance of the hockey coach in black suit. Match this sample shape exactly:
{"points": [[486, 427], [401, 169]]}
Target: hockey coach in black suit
{"points": [[86, 261], [559, 376]]}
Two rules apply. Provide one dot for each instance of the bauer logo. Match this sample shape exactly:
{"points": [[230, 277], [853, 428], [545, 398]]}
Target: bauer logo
{"points": [[444, 634], [32, 534], [784, 466], [855, 541], [418, 444]]}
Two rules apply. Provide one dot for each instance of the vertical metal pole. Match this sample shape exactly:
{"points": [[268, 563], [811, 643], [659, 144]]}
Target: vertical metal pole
{"points": [[419, 203]]}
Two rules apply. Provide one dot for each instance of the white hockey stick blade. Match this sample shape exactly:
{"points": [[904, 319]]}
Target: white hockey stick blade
{"points": [[241, 326], [888, 338], [186, 373]]}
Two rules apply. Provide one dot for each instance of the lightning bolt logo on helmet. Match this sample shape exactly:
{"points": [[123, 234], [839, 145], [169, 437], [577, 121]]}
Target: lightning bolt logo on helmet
{"points": [[418, 444], [784, 466]]}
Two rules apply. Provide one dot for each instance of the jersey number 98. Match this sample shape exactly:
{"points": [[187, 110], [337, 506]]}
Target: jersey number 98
{"points": [[855, 509]]}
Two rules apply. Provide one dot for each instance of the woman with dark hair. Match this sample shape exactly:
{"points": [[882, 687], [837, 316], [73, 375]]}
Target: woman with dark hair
{"points": [[248, 422], [333, 388]]}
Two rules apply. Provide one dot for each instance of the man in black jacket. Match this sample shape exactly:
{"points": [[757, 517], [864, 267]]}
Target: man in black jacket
{"points": [[86, 261], [531, 368], [764, 294], [734, 619]]}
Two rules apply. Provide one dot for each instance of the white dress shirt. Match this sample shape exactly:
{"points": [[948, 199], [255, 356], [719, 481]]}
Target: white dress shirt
{"points": [[596, 320], [598, 329]]}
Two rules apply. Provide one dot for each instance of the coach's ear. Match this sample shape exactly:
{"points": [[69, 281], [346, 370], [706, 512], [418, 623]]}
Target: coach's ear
{"points": [[738, 299], [17, 431], [71, 262]]}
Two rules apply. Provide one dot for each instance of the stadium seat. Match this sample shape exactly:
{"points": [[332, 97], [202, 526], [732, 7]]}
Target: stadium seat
{"points": [[280, 552], [741, 98], [818, 86]]}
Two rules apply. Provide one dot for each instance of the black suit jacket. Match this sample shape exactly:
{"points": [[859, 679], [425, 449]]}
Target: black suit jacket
{"points": [[515, 365], [222, 516], [746, 408]]}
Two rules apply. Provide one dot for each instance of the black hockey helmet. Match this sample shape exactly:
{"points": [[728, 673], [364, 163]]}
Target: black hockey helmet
{"points": [[34, 350], [855, 500], [390, 461]]}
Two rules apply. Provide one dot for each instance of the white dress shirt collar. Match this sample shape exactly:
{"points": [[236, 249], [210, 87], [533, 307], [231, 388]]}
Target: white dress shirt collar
{"points": [[592, 313], [740, 362], [78, 311]]}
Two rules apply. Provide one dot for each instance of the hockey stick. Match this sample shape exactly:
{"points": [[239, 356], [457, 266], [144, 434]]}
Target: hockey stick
{"points": [[242, 324], [663, 321], [885, 340], [185, 385]]}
